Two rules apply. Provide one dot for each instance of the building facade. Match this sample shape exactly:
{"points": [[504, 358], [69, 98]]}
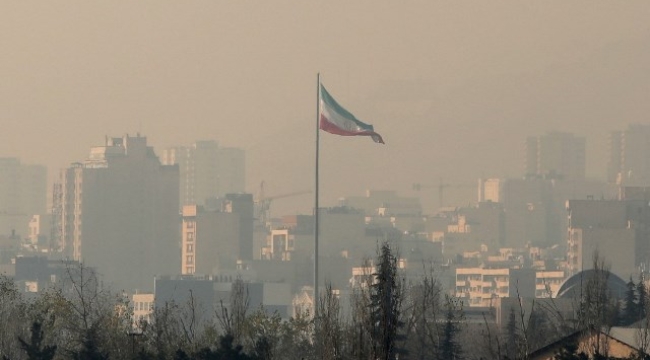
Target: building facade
{"points": [[556, 155], [618, 230], [119, 213], [207, 172], [210, 240], [629, 160], [23, 193], [481, 286]]}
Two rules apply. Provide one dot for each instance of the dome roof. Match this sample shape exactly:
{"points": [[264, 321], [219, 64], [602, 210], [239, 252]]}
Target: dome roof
{"points": [[571, 287]]}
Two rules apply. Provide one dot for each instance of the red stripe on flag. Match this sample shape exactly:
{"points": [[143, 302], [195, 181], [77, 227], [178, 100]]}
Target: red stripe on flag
{"points": [[331, 128]]}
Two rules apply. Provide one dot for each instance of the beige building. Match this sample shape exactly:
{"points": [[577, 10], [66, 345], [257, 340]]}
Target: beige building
{"points": [[39, 229], [614, 343], [210, 240], [280, 244], [118, 213], [547, 283], [143, 307], [480, 286], [490, 190]]}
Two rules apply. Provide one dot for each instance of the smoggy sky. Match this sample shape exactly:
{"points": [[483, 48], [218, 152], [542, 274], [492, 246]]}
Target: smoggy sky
{"points": [[453, 86]]}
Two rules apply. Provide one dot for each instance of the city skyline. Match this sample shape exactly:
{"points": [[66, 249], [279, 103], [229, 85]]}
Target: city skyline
{"points": [[454, 88]]}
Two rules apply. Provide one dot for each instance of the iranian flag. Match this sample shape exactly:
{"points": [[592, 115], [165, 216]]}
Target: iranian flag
{"points": [[336, 120]]}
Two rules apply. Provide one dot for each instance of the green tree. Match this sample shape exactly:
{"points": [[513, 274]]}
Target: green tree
{"points": [[386, 304], [631, 310], [642, 299], [35, 349], [90, 347], [450, 348]]}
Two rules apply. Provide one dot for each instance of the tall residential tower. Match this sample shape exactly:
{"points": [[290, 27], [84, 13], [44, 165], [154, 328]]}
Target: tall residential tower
{"points": [[556, 155], [207, 172], [629, 156], [119, 213]]}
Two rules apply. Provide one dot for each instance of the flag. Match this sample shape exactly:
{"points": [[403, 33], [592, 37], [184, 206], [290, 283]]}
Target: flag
{"points": [[336, 120]]}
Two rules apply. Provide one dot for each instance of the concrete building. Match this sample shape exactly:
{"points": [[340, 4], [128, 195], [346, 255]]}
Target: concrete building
{"points": [[547, 283], [556, 155], [119, 213], [39, 230], [529, 216], [208, 292], [279, 246], [143, 308], [209, 240], [215, 240], [207, 172], [23, 193], [617, 229], [231, 172], [629, 156], [480, 286], [490, 190], [242, 205]]}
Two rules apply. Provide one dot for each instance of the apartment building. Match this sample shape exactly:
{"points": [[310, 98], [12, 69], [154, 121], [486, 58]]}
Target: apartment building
{"points": [[118, 212]]}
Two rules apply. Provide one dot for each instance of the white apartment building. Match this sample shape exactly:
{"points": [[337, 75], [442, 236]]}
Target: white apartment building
{"points": [[480, 286]]}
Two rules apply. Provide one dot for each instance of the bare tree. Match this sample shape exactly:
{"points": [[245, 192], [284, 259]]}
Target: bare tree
{"points": [[232, 316], [328, 329], [422, 316]]}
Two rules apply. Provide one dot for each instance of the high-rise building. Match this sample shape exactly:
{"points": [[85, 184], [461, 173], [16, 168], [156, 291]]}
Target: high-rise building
{"points": [[23, 193], [231, 171], [207, 172], [242, 205], [119, 213], [556, 155], [629, 156], [617, 229]]}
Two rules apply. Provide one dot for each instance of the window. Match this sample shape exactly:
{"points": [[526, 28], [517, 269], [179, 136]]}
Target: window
{"points": [[189, 259], [190, 236], [190, 248]]}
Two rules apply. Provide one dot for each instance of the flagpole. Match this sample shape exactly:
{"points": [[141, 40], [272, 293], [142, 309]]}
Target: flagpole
{"points": [[316, 210]]}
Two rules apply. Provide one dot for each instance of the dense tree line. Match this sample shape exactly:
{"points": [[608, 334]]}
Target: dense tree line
{"points": [[389, 318]]}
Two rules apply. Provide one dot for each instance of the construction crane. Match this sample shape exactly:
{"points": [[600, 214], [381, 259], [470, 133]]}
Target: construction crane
{"points": [[441, 189], [263, 203]]}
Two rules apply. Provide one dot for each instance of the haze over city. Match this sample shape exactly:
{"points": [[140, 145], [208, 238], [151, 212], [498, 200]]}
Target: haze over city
{"points": [[484, 180], [453, 87]]}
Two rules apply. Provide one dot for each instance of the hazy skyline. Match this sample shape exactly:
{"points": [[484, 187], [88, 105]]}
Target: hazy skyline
{"points": [[453, 87]]}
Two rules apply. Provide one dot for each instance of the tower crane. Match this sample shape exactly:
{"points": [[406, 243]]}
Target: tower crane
{"points": [[441, 186], [263, 203]]}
